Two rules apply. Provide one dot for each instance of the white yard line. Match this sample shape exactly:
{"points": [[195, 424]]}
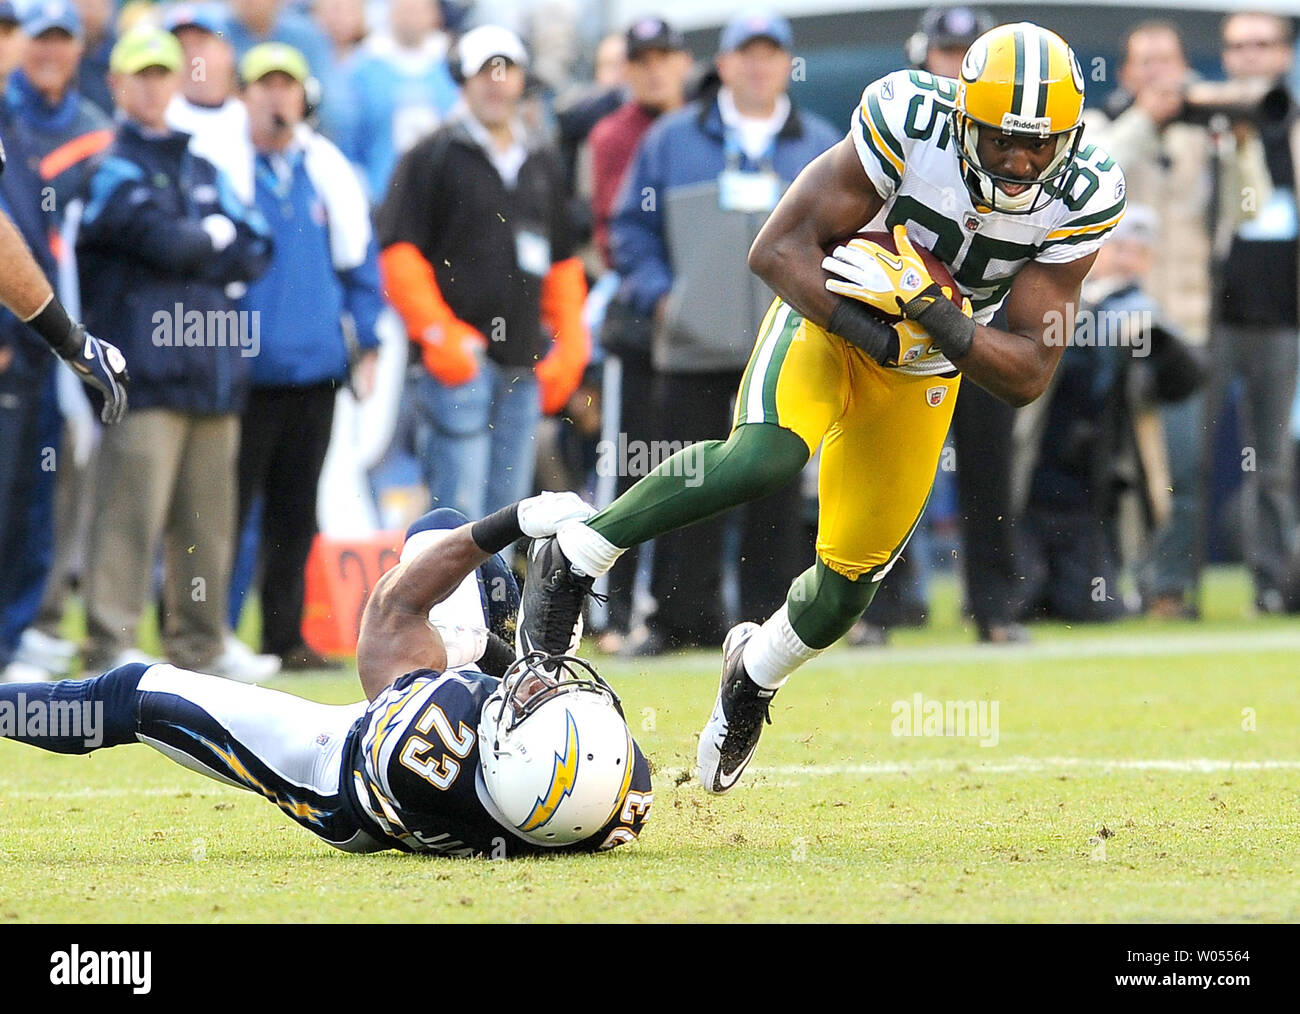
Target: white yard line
{"points": [[1126, 644], [1013, 766], [785, 773]]}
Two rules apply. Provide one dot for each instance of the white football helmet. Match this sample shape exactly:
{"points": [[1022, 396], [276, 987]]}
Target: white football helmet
{"points": [[556, 753]]}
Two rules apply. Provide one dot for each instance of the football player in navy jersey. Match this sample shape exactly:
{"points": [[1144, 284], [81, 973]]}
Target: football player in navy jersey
{"points": [[442, 756]]}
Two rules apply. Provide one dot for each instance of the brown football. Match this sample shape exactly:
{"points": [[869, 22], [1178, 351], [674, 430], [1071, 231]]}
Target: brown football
{"points": [[938, 270]]}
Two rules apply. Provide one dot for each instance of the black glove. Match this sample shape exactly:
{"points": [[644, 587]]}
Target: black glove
{"points": [[98, 364], [952, 329], [101, 366], [858, 325]]}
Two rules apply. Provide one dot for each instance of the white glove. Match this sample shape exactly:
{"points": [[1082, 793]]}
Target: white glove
{"points": [[220, 230], [464, 645], [541, 515]]}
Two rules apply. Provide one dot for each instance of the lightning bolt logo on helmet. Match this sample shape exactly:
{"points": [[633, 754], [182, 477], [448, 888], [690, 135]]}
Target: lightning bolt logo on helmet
{"points": [[563, 775]]}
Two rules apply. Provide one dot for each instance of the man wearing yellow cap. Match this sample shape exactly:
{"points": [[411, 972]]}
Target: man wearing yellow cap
{"points": [[161, 239]]}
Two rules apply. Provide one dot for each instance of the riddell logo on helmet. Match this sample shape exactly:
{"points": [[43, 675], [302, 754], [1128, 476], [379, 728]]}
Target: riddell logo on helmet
{"points": [[1040, 125]]}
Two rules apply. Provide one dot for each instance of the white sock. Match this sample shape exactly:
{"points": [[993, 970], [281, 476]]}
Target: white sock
{"points": [[774, 651], [588, 551]]}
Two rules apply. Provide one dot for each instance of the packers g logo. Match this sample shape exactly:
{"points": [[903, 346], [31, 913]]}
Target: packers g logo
{"points": [[563, 775], [972, 64], [1076, 72]]}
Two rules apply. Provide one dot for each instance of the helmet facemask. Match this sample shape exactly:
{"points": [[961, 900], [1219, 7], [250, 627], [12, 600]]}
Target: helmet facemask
{"points": [[983, 183], [519, 696]]}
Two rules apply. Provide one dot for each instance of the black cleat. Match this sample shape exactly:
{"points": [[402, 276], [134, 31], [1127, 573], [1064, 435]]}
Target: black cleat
{"points": [[550, 608], [742, 706]]}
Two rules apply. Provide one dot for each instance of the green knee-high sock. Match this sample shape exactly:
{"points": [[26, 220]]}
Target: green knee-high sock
{"points": [[823, 605], [702, 480]]}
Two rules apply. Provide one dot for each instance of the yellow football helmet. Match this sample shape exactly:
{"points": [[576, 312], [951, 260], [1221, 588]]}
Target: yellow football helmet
{"points": [[1019, 79]]}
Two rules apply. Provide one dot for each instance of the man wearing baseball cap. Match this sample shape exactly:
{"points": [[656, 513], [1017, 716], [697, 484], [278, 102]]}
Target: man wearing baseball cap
{"points": [[943, 36], [658, 66], [323, 245], [747, 26], [161, 238], [65, 129], [478, 259]]}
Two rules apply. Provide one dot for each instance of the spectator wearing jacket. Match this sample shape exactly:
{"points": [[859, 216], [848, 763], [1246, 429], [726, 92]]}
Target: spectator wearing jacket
{"points": [[700, 188], [656, 71], [162, 236], [61, 132], [320, 224], [64, 129], [658, 65], [30, 310], [478, 260], [26, 372], [1260, 320], [400, 89], [1167, 165], [1086, 453]]}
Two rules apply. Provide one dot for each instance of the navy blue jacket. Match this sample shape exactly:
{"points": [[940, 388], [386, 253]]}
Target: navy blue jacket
{"points": [[20, 198], [62, 139], [152, 282]]}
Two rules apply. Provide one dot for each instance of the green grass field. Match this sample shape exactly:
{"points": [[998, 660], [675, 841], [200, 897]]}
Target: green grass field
{"points": [[1142, 772]]}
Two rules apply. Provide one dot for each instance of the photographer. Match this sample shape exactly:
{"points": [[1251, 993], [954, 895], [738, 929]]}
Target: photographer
{"points": [[1167, 162], [1087, 485], [1258, 340]]}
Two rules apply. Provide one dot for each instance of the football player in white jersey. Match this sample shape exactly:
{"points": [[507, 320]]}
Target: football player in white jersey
{"points": [[991, 173]]}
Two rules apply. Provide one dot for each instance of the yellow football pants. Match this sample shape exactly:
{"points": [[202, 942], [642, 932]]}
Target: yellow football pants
{"points": [[881, 433]]}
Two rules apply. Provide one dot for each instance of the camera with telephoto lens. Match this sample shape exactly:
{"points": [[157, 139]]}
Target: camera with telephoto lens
{"points": [[1253, 102]]}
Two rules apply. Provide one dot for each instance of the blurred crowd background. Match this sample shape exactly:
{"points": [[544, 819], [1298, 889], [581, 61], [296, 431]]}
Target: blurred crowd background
{"points": [[365, 257]]}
